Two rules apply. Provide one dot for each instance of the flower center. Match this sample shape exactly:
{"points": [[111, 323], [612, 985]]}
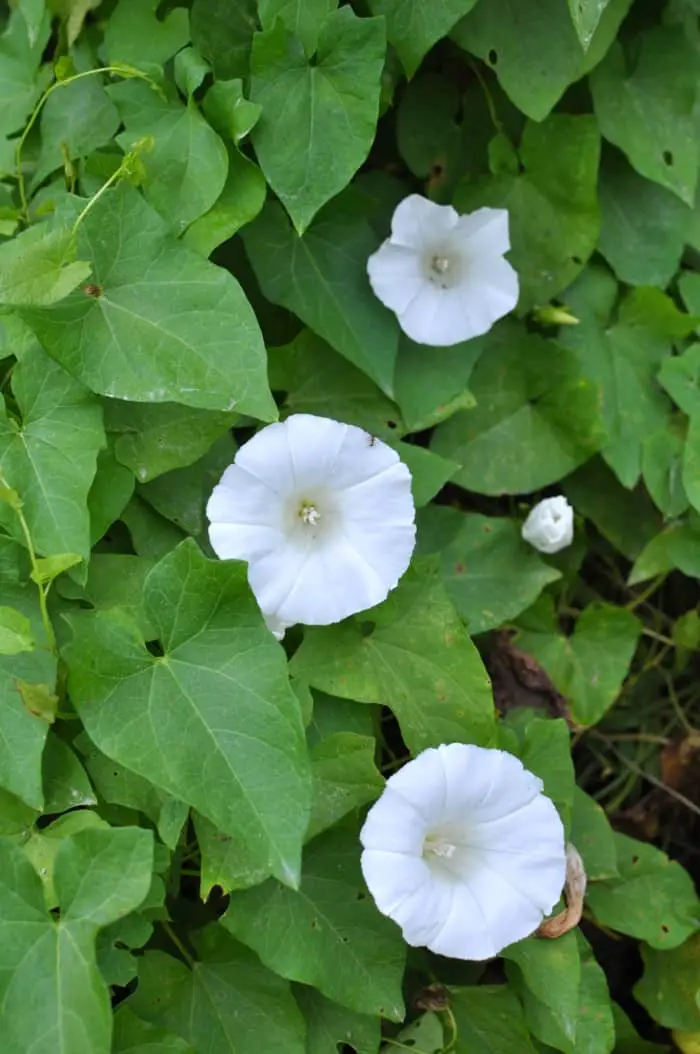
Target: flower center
{"points": [[440, 265], [309, 514], [439, 847], [443, 269]]}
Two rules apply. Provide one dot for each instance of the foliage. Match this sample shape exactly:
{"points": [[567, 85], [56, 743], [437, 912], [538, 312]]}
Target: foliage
{"points": [[189, 192]]}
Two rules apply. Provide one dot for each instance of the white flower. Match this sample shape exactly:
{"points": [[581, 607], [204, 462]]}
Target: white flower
{"points": [[464, 851], [324, 516], [549, 527], [443, 274]]}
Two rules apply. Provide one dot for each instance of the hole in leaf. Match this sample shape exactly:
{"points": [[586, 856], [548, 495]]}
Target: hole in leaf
{"points": [[391, 424], [577, 260], [668, 157], [635, 860], [493, 57], [664, 928], [367, 628], [361, 896], [409, 1042], [155, 648]]}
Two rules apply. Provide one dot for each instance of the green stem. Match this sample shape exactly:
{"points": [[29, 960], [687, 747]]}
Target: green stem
{"points": [[48, 628], [178, 943], [116, 175], [455, 1031], [121, 71]]}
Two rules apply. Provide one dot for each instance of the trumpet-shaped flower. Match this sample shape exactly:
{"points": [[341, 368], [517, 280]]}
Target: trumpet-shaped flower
{"points": [[442, 274], [549, 526], [464, 851], [323, 514]]}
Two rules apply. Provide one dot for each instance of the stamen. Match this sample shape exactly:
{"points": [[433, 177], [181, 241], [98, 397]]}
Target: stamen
{"points": [[440, 264], [438, 847], [309, 514]]}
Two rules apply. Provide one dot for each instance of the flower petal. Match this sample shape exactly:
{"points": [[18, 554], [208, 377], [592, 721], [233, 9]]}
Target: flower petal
{"points": [[485, 232], [233, 541], [418, 222], [484, 784], [422, 783], [393, 825], [395, 275], [496, 283], [314, 445], [395, 880], [266, 456]]}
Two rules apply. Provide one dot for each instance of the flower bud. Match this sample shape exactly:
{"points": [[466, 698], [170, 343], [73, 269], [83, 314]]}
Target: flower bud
{"points": [[550, 525]]}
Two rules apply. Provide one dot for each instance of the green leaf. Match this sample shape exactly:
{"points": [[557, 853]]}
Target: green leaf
{"points": [[66, 785], [50, 567], [166, 326], [52, 993], [134, 34], [413, 28], [218, 696], [670, 989], [189, 70], [552, 203], [319, 118], [596, 1024], [534, 49], [691, 463], [301, 17], [228, 111], [227, 1003], [240, 202], [134, 1036], [647, 107], [322, 278], [680, 374], [110, 492], [15, 632], [626, 518], [329, 1025], [20, 58], [586, 15], [652, 900], [589, 667], [327, 934], [154, 439], [411, 654], [50, 455], [345, 777], [431, 383], [662, 464], [119, 786], [643, 226], [490, 1019], [594, 838], [318, 381], [622, 360], [675, 547], [220, 860], [152, 535], [429, 471], [536, 419], [222, 31], [22, 732], [489, 572], [38, 267], [181, 495], [547, 979], [77, 118], [186, 168], [544, 747]]}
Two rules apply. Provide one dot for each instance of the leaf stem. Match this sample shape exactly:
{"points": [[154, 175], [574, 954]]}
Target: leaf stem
{"points": [[36, 576], [178, 943], [122, 71]]}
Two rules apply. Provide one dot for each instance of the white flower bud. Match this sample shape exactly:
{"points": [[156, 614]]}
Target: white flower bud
{"points": [[550, 525]]}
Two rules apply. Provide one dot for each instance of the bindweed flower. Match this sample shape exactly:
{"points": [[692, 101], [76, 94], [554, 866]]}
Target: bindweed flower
{"points": [[442, 274], [464, 851], [324, 516], [549, 526]]}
